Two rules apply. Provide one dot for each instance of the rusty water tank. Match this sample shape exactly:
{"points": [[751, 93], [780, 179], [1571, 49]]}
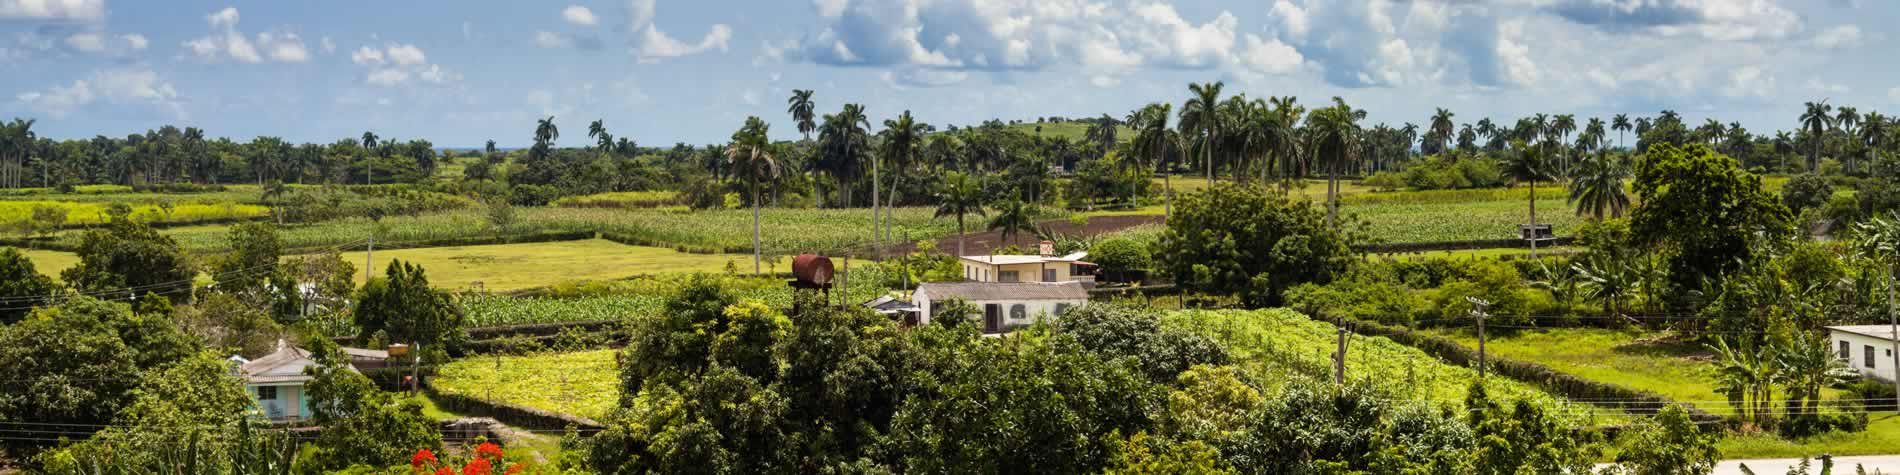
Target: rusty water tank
{"points": [[812, 269]]}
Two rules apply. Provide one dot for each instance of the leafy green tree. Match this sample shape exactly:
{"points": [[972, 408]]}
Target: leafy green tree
{"points": [[1249, 243], [1523, 439], [78, 363], [21, 286], [191, 414], [678, 343], [1701, 209], [959, 197], [1806, 191], [132, 257], [1119, 255], [501, 215], [361, 424], [1596, 187], [401, 307], [751, 152], [246, 270], [1117, 332], [1668, 443], [1014, 218], [47, 220], [1142, 454], [752, 334], [228, 324]]}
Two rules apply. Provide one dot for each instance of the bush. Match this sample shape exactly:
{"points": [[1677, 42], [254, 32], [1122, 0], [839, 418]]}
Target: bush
{"points": [[1806, 191], [1250, 243], [1119, 255]]}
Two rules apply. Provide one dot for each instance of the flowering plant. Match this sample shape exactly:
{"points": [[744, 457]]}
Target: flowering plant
{"points": [[487, 457]]}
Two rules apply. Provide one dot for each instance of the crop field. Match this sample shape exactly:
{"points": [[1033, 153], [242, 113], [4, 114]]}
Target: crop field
{"points": [[584, 383], [503, 267], [641, 297], [51, 263], [95, 212], [1278, 343], [621, 199], [241, 193]]}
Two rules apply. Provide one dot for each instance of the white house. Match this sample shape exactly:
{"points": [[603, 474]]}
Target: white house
{"points": [[1867, 348], [1003, 304], [1017, 268]]}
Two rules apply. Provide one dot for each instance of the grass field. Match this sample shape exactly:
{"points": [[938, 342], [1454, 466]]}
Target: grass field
{"points": [[1276, 344], [51, 263], [503, 267], [583, 384], [620, 199], [95, 212]]}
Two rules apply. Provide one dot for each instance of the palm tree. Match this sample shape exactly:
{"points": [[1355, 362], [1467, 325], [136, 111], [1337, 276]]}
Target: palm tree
{"points": [[1528, 164], [1873, 132], [750, 152], [960, 197], [1201, 114], [842, 137], [1467, 138], [1621, 124], [1592, 136], [1597, 187], [490, 148], [369, 158], [1440, 132], [901, 141], [1268, 132], [800, 107], [545, 132], [1152, 139], [1745, 375], [1012, 217], [602, 140], [1816, 122], [1409, 135], [1606, 278], [1333, 137]]}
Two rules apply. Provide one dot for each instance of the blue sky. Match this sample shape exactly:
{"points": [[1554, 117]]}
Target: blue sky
{"points": [[662, 71]]}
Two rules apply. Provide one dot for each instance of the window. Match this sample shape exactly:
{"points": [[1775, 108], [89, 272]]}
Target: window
{"points": [[1010, 276], [1018, 312], [1048, 275], [266, 393], [1061, 307], [1870, 356], [1847, 351]]}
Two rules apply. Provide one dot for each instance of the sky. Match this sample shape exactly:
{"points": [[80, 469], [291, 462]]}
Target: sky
{"points": [[461, 72]]}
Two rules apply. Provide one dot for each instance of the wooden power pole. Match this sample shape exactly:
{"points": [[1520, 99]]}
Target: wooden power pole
{"points": [[1477, 311]]}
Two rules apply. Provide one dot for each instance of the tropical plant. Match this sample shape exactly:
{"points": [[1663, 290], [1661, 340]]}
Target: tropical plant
{"points": [[1528, 164], [959, 197], [751, 152], [1816, 122], [1014, 217], [1745, 373], [800, 107], [1596, 187], [903, 136], [1154, 140], [1201, 115], [1332, 135]]}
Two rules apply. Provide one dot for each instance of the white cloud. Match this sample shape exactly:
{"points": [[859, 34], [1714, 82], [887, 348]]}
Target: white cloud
{"points": [[1843, 36], [1749, 81], [831, 8], [230, 43], [395, 64], [1292, 18], [1270, 56], [1721, 20], [549, 39], [283, 47], [406, 55], [1817, 85], [923, 77], [135, 41], [579, 15], [1515, 56], [435, 74], [1101, 80], [367, 56], [227, 18], [89, 42], [388, 77], [53, 9], [119, 86], [650, 44]]}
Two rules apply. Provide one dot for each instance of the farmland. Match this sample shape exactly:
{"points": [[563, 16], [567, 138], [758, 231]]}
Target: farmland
{"points": [[504, 267], [620, 199], [51, 262], [584, 383], [95, 212], [640, 297]]}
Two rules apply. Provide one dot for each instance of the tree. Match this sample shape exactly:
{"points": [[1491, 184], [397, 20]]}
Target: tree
{"points": [[1806, 191], [401, 307], [1701, 208], [1120, 255], [1333, 138], [133, 258], [1528, 164], [842, 138], [21, 286], [751, 152], [47, 220], [1596, 187], [255, 252], [902, 138], [361, 424], [1621, 124], [960, 197], [1441, 130], [1816, 122], [1249, 243], [1153, 140], [45, 357], [800, 107], [1668, 443], [1014, 217], [1200, 114]]}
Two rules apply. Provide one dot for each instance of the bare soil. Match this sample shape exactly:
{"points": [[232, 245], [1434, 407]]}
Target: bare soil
{"points": [[981, 243]]}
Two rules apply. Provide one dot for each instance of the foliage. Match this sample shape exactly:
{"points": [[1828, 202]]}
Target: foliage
{"points": [[1668, 443], [132, 257], [361, 424], [1120, 255], [1117, 332], [79, 363], [1806, 191], [21, 286], [1700, 208], [403, 308], [1248, 242], [1440, 173]]}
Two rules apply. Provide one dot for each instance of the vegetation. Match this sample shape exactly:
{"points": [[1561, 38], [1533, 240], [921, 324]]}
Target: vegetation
{"points": [[1245, 242], [582, 383], [508, 267]]}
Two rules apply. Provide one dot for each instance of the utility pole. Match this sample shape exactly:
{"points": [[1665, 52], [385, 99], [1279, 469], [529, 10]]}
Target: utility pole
{"points": [[1477, 311], [369, 253], [1339, 356]]}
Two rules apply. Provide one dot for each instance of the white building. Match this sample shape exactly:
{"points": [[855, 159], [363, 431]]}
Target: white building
{"points": [[1866, 348], [1003, 304], [1017, 268]]}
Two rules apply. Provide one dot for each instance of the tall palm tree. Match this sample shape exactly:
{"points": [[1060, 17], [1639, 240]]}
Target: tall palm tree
{"points": [[960, 197], [369, 158], [1620, 123], [843, 137], [1409, 135], [1597, 187], [800, 107], [1847, 118], [1333, 137], [750, 153], [902, 138], [1200, 114], [1467, 138], [1013, 217], [602, 140], [1153, 139], [1873, 133], [1528, 164], [489, 149], [1268, 132], [1593, 134], [1816, 122], [1441, 130]]}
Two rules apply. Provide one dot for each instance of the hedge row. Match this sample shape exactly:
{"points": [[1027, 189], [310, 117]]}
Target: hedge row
{"points": [[638, 241], [1633, 401], [1463, 245], [516, 416]]}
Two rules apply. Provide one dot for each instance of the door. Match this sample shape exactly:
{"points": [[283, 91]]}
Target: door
{"points": [[1048, 275], [992, 318]]}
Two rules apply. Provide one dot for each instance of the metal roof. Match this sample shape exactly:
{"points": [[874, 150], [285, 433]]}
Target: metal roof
{"points": [[1008, 259], [992, 291], [1884, 332]]}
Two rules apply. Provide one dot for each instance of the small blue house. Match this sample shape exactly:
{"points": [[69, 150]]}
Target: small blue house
{"points": [[276, 381]]}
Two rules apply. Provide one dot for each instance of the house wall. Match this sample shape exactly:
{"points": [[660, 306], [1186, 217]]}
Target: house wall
{"points": [[1882, 367], [290, 404], [982, 272], [1032, 309]]}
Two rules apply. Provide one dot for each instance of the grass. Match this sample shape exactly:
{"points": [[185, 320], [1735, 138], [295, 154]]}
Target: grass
{"points": [[583, 384], [1473, 254], [621, 199], [95, 212], [51, 263], [503, 267], [1881, 437], [1278, 344]]}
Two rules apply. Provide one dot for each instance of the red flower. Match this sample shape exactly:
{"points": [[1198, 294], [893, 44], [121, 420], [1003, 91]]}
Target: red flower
{"points": [[421, 457], [444, 471], [488, 449], [479, 466], [514, 469]]}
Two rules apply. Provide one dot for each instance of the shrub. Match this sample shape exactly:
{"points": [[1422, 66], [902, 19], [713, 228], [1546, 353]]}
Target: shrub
{"points": [[1806, 191], [1120, 255]]}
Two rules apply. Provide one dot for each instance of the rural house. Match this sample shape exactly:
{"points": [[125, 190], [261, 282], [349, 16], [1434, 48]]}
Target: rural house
{"points": [[276, 381], [1017, 268], [1004, 305], [1866, 348]]}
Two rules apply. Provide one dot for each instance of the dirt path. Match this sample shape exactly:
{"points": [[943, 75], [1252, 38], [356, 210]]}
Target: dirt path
{"points": [[980, 243]]}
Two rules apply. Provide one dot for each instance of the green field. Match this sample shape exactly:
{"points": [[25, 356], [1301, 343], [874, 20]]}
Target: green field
{"points": [[51, 263], [503, 267], [1278, 344], [583, 384], [620, 199], [95, 212], [643, 297]]}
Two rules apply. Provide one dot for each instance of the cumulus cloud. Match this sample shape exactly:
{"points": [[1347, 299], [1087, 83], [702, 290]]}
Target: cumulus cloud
{"points": [[1749, 81], [1724, 20], [85, 10], [650, 44], [579, 15], [395, 64], [923, 77], [367, 56], [406, 55], [119, 86], [1817, 85], [135, 41], [387, 77], [229, 43]]}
